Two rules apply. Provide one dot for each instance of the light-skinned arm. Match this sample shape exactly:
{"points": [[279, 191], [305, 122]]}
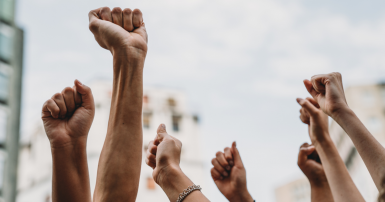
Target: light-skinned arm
{"points": [[163, 155], [229, 175], [341, 184], [328, 91], [67, 118], [122, 32]]}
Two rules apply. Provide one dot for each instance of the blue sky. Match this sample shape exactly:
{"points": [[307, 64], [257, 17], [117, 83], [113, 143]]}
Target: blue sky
{"points": [[241, 62]]}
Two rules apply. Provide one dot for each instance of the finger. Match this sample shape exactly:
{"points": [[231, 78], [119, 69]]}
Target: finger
{"points": [[304, 116], [229, 156], [222, 160], [318, 82], [219, 168], [94, 20], [50, 109], [77, 97], [127, 20], [105, 14], [117, 16], [312, 101], [68, 95], [215, 174], [137, 18], [59, 100], [310, 108], [150, 161], [236, 155], [304, 151], [152, 148], [86, 95], [161, 134], [309, 88]]}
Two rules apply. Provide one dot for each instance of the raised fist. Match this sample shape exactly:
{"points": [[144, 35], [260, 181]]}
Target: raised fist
{"points": [[310, 164], [68, 115], [163, 154], [328, 92], [315, 118], [119, 30], [229, 175]]}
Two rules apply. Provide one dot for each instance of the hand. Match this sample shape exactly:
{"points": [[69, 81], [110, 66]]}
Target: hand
{"points": [[328, 91], [68, 115], [317, 120], [118, 29], [163, 154], [310, 164], [229, 175]]}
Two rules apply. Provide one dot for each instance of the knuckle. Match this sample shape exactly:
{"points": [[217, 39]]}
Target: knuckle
{"points": [[57, 96], [137, 11], [218, 153], [127, 11], [105, 9], [116, 10], [213, 160], [68, 90]]}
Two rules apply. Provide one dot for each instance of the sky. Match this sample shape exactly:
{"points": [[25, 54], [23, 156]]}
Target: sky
{"points": [[241, 63]]}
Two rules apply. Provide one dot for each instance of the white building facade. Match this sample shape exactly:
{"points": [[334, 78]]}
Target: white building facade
{"points": [[160, 105]]}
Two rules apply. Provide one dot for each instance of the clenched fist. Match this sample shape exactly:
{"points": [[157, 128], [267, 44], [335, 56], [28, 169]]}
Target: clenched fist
{"points": [[119, 29], [68, 115]]}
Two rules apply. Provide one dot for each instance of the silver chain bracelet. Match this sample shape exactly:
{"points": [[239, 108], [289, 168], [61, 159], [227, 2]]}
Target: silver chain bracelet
{"points": [[187, 192]]}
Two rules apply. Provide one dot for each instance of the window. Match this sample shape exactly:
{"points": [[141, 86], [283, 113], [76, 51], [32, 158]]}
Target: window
{"points": [[349, 160], [146, 120], [4, 87], [3, 126], [150, 183], [176, 120], [171, 102], [6, 33], [6, 10], [2, 162]]}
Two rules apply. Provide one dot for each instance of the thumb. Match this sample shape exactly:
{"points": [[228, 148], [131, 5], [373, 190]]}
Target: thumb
{"points": [[161, 134], [94, 19], [236, 155], [310, 88], [309, 107], [86, 95], [304, 151]]}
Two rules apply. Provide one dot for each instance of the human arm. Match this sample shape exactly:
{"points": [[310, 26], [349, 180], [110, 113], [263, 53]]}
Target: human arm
{"points": [[327, 89], [310, 164], [67, 118], [229, 175], [124, 35], [340, 182], [163, 155]]}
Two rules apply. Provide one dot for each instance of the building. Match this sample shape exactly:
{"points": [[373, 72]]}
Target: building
{"points": [[11, 57], [294, 191], [160, 105], [368, 102]]}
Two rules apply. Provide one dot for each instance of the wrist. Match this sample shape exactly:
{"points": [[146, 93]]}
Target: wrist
{"points": [[243, 196], [341, 112], [129, 52], [72, 145]]}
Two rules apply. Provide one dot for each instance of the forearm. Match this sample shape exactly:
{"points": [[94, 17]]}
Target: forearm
{"points": [[174, 182], [120, 160], [374, 158], [321, 193], [340, 182], [70, 179]]}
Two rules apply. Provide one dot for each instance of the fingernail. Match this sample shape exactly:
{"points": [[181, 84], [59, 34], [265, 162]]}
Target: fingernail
{"points": [[163, 126], [225, 174], [299, 100], [231, 163], [227, 167]]}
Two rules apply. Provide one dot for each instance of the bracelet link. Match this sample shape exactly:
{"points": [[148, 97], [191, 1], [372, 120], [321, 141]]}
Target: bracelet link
{"points": [[187, 191]]}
